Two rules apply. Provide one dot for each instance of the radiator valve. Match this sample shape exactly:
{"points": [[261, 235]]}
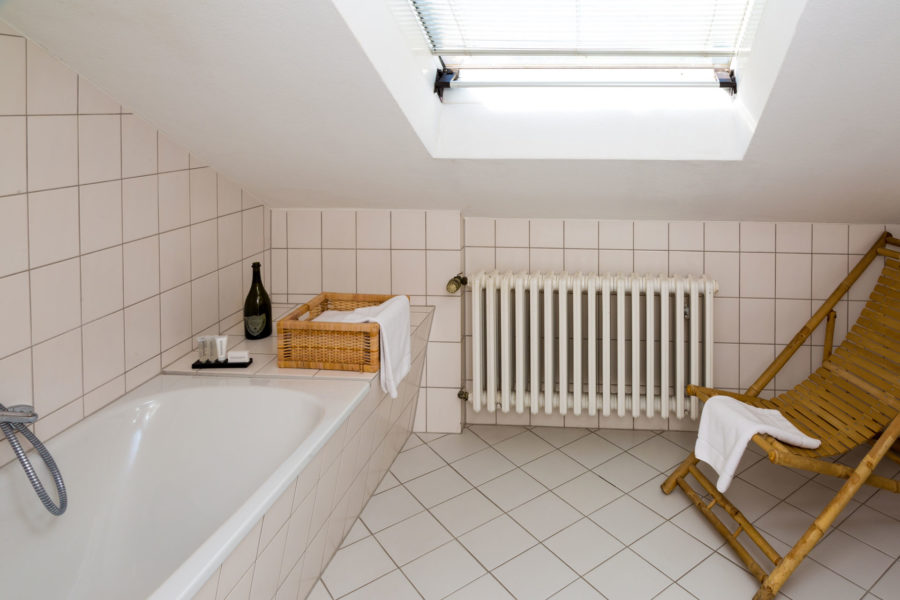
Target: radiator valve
{"points": [[457, 282], [463, 395]]}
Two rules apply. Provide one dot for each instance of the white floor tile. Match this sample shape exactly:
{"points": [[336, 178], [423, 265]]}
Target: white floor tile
{"points": [[886, 502], [627, 519], [523, 448], [717, 578], [650, 495], [356, 565], [812, 581], [812, 498], [493, 434], [394, 585], [560, 436], [784, 522], [497, 541], [452, 447], [587, 493], [443, 571], [777, 480], [583, 545], [591, 450], [847, 556], [410, 539], [545, 515], [388, 508], [671, 550], [659, 453], [887, 586], [483, 466], [674, 592], [626, 472], [429, 437], [356, 533], [438, 486], [411, 442], [319, 592], [413, 463], [465, 512], [554, 469], [694, 523], [534, 575], [577, 590], [627, 576], [512, 489], [627, 438], [483, 588], [387, 482], [871, 527], [685, 439], [751, 500]]}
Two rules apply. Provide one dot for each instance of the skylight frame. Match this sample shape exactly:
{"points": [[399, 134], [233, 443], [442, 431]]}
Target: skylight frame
{"points": [[587, 52]]}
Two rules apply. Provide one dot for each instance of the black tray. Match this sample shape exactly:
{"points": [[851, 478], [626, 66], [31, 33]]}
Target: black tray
{"points": [[221, 365]]}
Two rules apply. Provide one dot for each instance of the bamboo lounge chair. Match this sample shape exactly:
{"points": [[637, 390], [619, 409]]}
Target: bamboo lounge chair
{"points": [[852, 399]]}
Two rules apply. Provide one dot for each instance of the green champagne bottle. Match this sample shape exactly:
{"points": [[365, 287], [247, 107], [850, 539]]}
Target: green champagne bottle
{"points": [[257, 309]]}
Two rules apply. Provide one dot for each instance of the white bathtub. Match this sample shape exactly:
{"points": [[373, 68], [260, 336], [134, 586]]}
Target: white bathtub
{"points": [[163, 484]]}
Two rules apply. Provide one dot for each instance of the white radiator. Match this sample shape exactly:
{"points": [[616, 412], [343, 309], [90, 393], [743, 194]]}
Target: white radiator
{"points": [[620, 344]]}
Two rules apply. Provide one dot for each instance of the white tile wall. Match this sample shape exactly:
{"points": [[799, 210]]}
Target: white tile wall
{"points": [[771, 277], [99, 293], [410, 252]]}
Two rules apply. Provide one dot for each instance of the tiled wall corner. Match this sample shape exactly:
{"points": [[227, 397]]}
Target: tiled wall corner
{"points": [[412, 252], [117, 245], [771, 277]]}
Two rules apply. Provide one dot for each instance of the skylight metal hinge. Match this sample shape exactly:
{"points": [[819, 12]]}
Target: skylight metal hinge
{"points": [[442, 81], [727, 81]]}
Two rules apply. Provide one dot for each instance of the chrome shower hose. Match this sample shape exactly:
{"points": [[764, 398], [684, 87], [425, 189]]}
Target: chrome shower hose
{"points": [[12, 425]]}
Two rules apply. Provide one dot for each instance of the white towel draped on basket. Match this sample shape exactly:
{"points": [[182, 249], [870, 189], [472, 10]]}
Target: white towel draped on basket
{"points": [[393, 320], [726, 426]]}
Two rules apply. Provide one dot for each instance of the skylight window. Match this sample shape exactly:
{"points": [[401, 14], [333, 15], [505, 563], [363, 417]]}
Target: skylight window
{"points": [[587, 43]]}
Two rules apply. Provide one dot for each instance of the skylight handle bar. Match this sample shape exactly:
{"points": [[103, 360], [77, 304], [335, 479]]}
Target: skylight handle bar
{"points": [[447, 78], [727, 81], [579, 52], [493, 84], [443, 80]]}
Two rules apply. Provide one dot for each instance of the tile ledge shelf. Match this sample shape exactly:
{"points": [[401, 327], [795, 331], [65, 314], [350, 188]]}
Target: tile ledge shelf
{"points": [[264, 352]]}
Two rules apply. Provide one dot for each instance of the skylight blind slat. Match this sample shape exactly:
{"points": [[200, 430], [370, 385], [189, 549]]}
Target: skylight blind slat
{"points": [[656, 33]]}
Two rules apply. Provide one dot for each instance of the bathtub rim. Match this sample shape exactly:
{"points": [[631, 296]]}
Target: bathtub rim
{"points": [[203, 562]]}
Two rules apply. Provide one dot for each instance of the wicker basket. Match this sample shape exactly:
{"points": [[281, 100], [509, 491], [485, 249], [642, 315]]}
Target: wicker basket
{"points": [[305, 344]]}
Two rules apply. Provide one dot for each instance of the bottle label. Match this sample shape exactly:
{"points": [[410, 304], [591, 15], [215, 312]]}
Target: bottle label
{"points": [[255, 325]]}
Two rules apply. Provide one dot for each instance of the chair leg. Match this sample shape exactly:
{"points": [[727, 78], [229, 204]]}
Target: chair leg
{"points": [[816, 531], [682, 470]]}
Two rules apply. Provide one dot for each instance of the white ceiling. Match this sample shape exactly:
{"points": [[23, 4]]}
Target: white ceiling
{"points": [[278, 95]]}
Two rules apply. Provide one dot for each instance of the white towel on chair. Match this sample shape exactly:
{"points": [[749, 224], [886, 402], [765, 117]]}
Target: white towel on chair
{"points": [[393, 339], [726, 427]]}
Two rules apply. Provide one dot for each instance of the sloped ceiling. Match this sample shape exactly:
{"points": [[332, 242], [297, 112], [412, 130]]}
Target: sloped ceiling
{"points": [[278, 95]]}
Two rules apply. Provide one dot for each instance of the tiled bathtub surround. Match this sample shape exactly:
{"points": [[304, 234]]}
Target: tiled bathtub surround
{"points": [[533, 513], [116, 245], [413, 252], [285, 552], [771, 277]]}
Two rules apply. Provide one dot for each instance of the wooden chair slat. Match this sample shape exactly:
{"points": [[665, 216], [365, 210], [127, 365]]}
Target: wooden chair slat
{"points": [[883, 310], [803, 396], [862, 359], [870, 329]]}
